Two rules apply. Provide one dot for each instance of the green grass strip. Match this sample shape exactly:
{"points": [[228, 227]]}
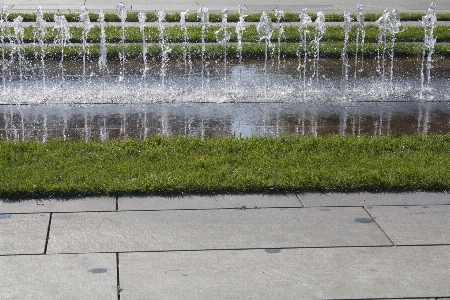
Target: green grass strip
{"points": [[216, 51], [175, 165], [215, 17], [175, 34]]}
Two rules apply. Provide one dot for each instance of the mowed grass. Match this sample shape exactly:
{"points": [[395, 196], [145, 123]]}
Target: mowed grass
{"points": [[176, 165]]}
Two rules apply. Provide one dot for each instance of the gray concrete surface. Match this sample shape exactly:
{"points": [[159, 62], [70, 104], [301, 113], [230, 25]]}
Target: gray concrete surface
{"points": [[74, 276], [367, 199], [208, 202], [340, 246], [232, 5], [23, 234], [213, 229], [414, 225], [59, 205], [340, 273]]}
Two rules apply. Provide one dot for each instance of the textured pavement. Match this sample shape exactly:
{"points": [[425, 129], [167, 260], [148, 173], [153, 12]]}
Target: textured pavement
{"points": [[328, 6], [290, 246]]}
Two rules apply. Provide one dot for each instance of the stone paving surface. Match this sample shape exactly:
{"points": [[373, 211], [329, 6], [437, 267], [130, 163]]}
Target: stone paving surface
{"points": [[75, 276], [332, 273], [213, 229], [23, 234], [292, 246], [337, 6]]}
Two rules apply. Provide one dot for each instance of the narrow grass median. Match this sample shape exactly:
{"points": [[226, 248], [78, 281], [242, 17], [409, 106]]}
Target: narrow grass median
{"points": [[169, 165]]}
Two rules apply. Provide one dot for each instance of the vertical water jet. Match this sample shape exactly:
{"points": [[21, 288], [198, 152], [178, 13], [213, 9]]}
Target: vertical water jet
{"points": [[103, 51], [186, 52], [4, 34], [165, 49], [344, 55], [394, 28], [279, 14], [428, 23], [320, 31], [305, 20], [240, 27], [389, 25], [142, 17], [360, 36], [203, 15], [84, 19], [121, 12], [40, 30], [265, 30], [19, 49], [64, 36], [223, 37]]}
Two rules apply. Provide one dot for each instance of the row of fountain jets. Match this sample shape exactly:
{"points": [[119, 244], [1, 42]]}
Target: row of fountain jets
{"points": [[389, 25]]}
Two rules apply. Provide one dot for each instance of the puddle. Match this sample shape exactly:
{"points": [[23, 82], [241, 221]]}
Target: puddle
{"points": [[364, 220], [5, 216], [98, 270], [272, 251]]}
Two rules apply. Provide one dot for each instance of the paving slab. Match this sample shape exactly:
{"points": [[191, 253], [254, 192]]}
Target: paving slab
{"points": [[331, 273], [212, 229], [71, 276], [58, 205], [366, 198], [208, 202], [215, 5], [23, 234], [414, 225]]}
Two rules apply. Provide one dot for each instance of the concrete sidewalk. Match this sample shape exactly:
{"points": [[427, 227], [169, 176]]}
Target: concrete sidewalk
{"points": [[304, 246], [328, 6]]}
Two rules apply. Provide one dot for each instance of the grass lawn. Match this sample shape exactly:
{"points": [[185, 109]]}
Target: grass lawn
{"points": [[169, 165]]}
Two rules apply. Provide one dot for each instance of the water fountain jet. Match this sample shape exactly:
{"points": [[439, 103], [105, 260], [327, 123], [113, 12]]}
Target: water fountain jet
{"points": [[203, 15], [103, 51], [64, 36], [165, 48], [360, 36], [279, 14], [39, 33], [240, 27], [4, 33], [344, 56], [305, 20], [428, 24], [320, 31], [223, 37], [121, 12], [84, 19], [142, 19]]}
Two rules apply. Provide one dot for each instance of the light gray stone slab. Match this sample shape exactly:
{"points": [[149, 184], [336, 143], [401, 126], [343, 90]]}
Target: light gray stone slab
{"points": [[253, 6], [59, 205], [320, 273], [366, 198], [414, 225], [23, 234], [208, 202], [70, 276], [212, 229]]}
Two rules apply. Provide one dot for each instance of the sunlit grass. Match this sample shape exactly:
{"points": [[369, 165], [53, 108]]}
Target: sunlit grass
{"points": [[172, 165]]}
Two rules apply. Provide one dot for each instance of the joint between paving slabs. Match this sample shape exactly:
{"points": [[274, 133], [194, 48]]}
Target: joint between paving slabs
{"points": [[298, 198], [119, 289], [384, 232], [48, 233], [117, 203]]}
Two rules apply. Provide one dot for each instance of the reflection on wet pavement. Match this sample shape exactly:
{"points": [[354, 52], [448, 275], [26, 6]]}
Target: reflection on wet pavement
{"points": [[115, 121]]}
